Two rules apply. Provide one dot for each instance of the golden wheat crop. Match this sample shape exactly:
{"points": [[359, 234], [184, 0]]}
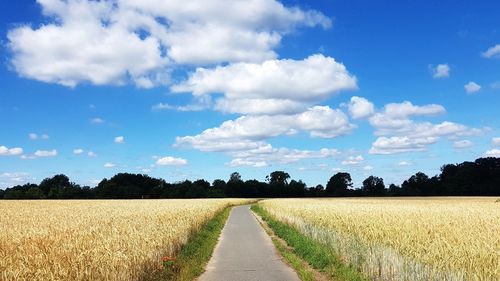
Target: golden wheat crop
{"points": [[96, 240], [404, 239]]}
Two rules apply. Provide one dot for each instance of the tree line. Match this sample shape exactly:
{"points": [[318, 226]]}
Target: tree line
{"points": [[478, 178]]}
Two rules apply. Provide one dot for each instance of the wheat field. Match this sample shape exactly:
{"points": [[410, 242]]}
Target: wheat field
{"points": [[403, 239], [96, 240]]}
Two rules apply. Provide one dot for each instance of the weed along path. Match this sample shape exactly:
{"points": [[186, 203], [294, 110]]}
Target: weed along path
{"points": [[245, 252]]}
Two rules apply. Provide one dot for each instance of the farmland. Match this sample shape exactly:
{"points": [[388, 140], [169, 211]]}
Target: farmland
{"points": [[96, 240], [403, 239]]}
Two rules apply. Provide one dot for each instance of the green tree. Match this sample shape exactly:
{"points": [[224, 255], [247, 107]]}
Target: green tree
{"points": [[338, 184], [373, 186]]}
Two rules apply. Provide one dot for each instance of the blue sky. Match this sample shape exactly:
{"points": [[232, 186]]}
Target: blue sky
{"points": [[190, 89]]}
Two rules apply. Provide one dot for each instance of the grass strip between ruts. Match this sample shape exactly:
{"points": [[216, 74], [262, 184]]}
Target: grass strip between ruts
{"points": [[195, 254], [316, 254]]}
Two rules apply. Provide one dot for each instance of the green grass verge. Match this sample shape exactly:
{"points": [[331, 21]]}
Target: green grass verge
{"points": [[194, 255], [294, 261], [319, 256]]}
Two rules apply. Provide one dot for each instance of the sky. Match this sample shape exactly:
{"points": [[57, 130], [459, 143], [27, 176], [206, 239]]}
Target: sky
{"points": [[200, 89]]}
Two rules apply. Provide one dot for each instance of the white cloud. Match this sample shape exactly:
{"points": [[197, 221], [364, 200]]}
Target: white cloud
{"points": [[248, 33], [10, 179], [398, 133], [495, 141], [247, 131], [242, 162], [266, 154], [125, 41], [441, 71], [46, 153], [5, 151], [97, 120], [171, 161], [472, 87], [493, 52], [201, 103], [34, 136], [260, 106], [461, 144], [385, 145], [492, 153], [407, 109], [80, 151], [109, 165], [353, 160], [405, 163], [368, 168], [360, 108], [120, 139], [272, 86]]}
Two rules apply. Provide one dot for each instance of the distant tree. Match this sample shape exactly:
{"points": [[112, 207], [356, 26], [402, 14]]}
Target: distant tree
{"points": [[278, 182], [296, 188], [278, 177], [394, 190], [373, 186], [219, 184], [235, 187], [34, 192], [315, 191], [338, 184], [234, 177]]}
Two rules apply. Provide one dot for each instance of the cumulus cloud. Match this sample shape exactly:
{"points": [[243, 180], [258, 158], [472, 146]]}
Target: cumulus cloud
{"points": [[91, 154], [266, 154], [492, 153], [360, 108], [109, 165], [120, 139], [171, 161], [353, 160], [5, 151], [461, 144], [472, 87], [78, 151], [46, 153], [258, 106], [270, 87], [407, 109], [398, 133], [124, 41], [441, 71], [385, 145], [493, 52], [405, 163], [247, 132]]}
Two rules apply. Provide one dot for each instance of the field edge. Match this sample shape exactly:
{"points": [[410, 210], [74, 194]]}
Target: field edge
{"points": [[301, 251], [194, 255]]}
